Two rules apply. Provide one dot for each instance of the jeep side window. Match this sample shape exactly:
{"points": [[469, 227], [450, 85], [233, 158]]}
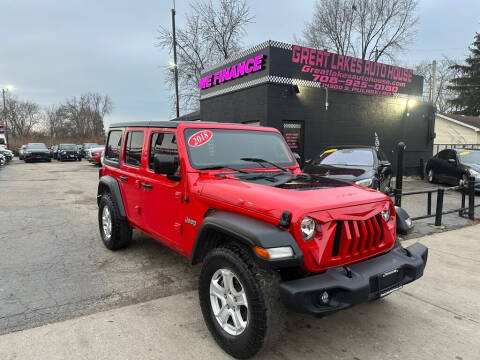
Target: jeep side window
{"points": [[162, 143], [133, 148], [114, 144]]}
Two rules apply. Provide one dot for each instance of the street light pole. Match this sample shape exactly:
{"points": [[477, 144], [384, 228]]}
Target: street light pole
{"points": [[175, 67], [4, 117]]}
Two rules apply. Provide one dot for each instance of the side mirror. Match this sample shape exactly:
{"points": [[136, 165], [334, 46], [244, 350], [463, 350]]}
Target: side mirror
{"points": [[166, 164], [308, 161], [385, 163], [452, 161], [297, 156]]}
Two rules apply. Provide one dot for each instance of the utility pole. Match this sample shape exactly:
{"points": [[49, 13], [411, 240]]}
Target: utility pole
{"points": [[4, 117], [433, 85], [175, 67]]}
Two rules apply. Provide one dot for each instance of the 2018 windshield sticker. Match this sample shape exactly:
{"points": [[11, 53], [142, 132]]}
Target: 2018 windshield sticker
{"points": [[200, 138]]}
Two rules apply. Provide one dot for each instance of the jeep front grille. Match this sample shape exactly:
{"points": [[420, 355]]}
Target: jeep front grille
{"points": [[356, 237]]}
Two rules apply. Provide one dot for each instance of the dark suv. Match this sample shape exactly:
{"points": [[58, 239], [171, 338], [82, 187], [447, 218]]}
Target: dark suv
{"points": [[233, 199], [68, 152]]}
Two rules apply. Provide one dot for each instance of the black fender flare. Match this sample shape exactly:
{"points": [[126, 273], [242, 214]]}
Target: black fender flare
{"points": [[248, 231], [109, 183]]}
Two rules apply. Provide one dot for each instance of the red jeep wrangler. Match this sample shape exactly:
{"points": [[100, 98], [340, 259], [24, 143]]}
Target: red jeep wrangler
{"points": [[232, 198]]}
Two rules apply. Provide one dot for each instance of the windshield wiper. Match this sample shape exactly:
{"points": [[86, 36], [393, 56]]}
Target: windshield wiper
{"points": [[263, 161], [220, 167]]}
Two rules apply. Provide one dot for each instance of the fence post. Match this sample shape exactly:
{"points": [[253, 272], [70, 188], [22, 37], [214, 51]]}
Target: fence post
{"points": [[471, 198], [422, 169], [429, 205], [438, 212], [464, 193], [399, 179]]}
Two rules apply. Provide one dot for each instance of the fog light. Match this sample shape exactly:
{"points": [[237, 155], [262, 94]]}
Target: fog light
{"points": [[325, 298]]}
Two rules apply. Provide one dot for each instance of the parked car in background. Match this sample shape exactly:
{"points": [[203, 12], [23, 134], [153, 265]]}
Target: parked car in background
{"points": [[54, 151], [36, 152], [96, 155], [7, 154], [363, 165], [21, 151], [68, 152], [86, 146], [454, 167], [3, 141]]}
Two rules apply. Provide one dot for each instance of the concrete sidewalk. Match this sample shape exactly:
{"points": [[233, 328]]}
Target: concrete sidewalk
{"points": [[437, 317]]}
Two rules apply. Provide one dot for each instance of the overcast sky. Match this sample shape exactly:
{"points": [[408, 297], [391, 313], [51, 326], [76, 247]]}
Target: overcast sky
{"points": [[51, 49]]}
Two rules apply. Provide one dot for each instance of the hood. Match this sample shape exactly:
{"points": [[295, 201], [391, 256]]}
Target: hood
{"points": [[299, 195], [349, 173]]}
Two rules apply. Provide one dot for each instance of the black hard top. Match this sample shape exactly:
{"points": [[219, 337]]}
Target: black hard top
{"points": [[159, 124], [166, 124]]}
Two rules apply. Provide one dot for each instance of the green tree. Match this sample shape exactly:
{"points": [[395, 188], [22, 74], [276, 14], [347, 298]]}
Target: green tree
{"points": [[467, 84]]}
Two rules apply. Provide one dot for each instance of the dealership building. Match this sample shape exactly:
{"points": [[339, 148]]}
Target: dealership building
{"points": [[319, 99]]}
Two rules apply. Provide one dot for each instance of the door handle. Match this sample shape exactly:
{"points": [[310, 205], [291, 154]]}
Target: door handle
{"points": [[148, 186], [123, 178]]}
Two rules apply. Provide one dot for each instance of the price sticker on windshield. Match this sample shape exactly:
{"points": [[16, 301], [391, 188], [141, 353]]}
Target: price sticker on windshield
{"points": [[465, 153], [200, 138]]}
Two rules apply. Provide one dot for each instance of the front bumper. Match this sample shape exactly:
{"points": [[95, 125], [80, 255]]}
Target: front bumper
{"points": [[37, 156], [355, 284]]}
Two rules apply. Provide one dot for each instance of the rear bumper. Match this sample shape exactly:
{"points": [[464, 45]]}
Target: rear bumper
{"points": [[369, 279]]}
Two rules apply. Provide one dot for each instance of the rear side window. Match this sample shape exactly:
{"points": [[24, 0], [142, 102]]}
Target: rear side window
{"points": [[133, 148], [114, 145], [162, 143]]}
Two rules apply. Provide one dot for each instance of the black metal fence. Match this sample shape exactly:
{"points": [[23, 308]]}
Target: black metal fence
{"points": [[467, 190]]}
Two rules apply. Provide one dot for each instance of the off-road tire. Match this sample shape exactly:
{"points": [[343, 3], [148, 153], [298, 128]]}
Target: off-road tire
{"points": [[121, 231], [267, 315]]}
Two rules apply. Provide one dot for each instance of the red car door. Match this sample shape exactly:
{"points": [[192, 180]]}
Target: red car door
{"points": [[164, 198], [130, 178]]}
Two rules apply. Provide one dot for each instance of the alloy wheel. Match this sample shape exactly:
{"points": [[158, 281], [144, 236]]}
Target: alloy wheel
{"points": [[229, 303], [107, 222]]}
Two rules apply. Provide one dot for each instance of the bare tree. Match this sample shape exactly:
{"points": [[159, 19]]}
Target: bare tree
{"points": [[368, 29], [22, 116], [444, 76], [211, 33], [83, 116]]}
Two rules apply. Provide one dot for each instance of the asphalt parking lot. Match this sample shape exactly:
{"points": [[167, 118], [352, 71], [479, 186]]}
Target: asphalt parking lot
{"points": [[53, 265]]}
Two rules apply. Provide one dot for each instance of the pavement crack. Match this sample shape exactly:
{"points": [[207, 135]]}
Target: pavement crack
{"points": [[440, 307]]}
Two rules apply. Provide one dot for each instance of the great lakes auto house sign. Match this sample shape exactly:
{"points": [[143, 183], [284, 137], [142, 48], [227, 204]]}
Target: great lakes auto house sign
{"points": [[282, 63]]}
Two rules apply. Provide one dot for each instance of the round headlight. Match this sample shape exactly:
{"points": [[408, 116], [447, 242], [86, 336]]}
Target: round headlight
{"points": [[308, 228], [386, 215]]}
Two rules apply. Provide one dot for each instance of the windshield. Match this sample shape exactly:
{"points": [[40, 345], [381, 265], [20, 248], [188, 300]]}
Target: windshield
{"points": [[223, 147], [68, 147], [469, 157], [353, 157], [37, 146]]}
